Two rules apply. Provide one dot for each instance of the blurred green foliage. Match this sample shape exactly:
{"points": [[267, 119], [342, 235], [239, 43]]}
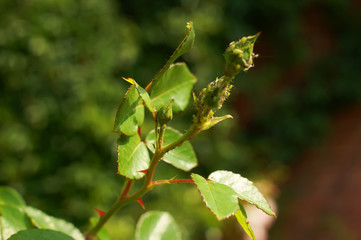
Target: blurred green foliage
{"points": [[58, 94], [60, 68]]}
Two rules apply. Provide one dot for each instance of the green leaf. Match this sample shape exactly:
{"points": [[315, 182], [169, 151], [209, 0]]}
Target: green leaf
{"points": [[176, 83], [40, 234], [142, 93], [182, 157], [214, 121], [156, 225], [219, 198], [12, 220], [244, 188], [130, 114], [183, 47], [10, 196], [242, 219], [145, 97], [133, 156], [44, 221]]}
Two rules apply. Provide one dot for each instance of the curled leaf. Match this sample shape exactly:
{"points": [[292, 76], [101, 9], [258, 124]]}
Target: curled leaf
{"points": [[242, 219], [183, 47], [213, 121]]}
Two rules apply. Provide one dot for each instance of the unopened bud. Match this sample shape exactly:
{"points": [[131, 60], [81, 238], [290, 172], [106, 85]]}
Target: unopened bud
{"points": [[239, 55], [165, 114]]}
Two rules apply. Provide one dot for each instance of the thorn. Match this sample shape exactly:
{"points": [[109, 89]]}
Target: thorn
{"points": [[100, 212], [144, 171], [191, 138], [141, 203], [140, 132]]}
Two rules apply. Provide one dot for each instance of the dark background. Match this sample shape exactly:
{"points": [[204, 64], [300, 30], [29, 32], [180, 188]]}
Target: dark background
{"points": [[61, 64]]}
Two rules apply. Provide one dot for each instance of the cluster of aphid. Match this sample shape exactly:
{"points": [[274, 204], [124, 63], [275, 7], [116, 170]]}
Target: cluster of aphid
{"points": [[239, 57]]}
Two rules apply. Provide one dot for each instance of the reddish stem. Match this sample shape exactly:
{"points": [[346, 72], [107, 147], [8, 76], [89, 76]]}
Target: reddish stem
{"points": [[159, 182], [126, 190], [140, 132]]}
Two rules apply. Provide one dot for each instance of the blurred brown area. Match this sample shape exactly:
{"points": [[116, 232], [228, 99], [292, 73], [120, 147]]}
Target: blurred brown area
{"points": [[321, 200]]}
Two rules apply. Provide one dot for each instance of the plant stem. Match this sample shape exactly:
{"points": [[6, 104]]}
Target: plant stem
{"points": [[194, 130], [126, 188], [125, 199], [160, 137], [122, 200], [160, 182]]}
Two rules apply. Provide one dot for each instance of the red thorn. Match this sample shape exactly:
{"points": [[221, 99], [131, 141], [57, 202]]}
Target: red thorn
{"points": [[100, 212], [144, 171], [141, 203], [140, 132]]}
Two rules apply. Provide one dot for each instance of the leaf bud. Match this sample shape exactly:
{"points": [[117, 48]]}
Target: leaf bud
{"points": [[165, 114]]}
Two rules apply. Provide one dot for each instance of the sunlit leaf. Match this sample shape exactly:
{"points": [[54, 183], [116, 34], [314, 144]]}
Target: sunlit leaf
{"points": [[44, 221], [182, 157], [10, 196], [176, 83], [156, 225], [242, 219], [130, 114], [146, 98], [219, 198], [40, 234], [244, 188], [143, 94], [12, 220], [133, 156]]}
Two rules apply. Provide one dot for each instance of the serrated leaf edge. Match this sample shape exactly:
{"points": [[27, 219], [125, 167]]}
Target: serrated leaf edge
{"points": [[205, 202], [121, 104], [133, 152], [250, 202]]}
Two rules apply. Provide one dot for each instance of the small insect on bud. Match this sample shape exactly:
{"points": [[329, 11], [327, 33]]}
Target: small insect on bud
{"points": [[239, 55], [165, 114]]}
